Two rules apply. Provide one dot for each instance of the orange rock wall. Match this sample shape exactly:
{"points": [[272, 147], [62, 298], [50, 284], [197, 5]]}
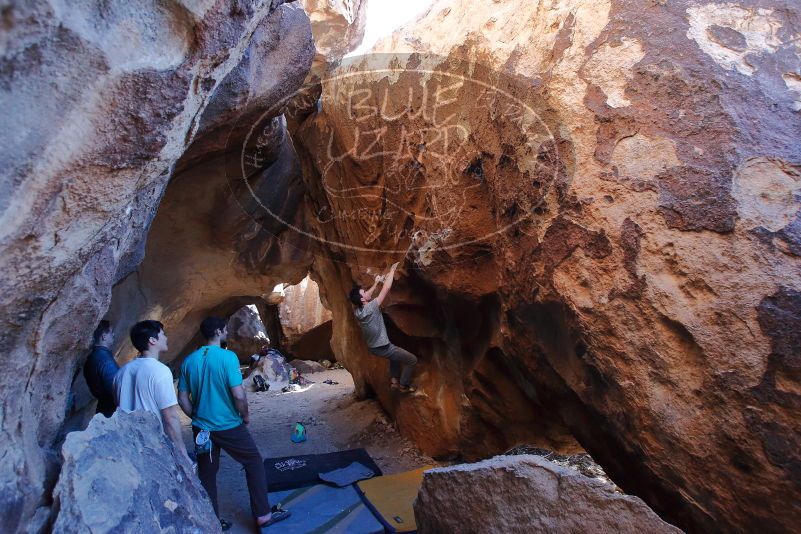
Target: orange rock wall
{"points": [[604, 249]]}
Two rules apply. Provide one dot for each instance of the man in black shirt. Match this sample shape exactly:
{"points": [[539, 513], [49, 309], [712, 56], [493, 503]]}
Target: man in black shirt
{"points": [[100, 369]]}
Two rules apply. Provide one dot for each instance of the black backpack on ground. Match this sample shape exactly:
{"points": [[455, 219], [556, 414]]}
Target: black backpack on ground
{"points": [[260, 384]]}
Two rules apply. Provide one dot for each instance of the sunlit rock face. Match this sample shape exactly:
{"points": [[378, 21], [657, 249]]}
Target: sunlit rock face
{"points": [[596, 209], [100, 101], [595, 204], [301, 309], [338, 27], [305, 322]]}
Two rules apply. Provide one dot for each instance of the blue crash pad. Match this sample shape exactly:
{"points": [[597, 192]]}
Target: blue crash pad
{"points": [[322, 508]]}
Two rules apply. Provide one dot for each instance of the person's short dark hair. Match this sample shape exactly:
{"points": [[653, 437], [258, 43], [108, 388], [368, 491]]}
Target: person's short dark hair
{"points": [[210, 325], [355, 296], [102, 328], [143, 331]]}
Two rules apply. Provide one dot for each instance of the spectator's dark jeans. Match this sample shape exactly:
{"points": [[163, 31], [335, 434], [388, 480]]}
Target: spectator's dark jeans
{"points": [[239, 445], [398, 358]]}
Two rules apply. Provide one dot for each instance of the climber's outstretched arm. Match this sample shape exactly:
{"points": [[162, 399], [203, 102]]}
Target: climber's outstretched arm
{"points": [[388, 279], [369, 292]]}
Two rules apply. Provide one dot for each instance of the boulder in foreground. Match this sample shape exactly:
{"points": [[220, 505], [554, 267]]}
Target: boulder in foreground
{"points": [[122, 475], [509, 494]]}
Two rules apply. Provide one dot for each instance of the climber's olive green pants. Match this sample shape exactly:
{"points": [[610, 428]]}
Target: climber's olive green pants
{"points": [[398, 358]]}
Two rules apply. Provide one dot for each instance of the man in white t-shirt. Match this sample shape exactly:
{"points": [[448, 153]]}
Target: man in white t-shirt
{"points": [[146, 384]]}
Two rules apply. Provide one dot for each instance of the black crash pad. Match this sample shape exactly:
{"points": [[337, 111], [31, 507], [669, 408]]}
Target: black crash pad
{"points": [[290, 472]]}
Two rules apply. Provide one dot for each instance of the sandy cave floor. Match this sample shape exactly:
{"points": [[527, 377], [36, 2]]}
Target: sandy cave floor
{"points": [[334, 420]]}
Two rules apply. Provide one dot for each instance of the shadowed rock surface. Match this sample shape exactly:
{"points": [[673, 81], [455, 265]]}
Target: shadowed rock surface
{"points": [[216, 243], [519, 494], [123, 475], [314, 344]]}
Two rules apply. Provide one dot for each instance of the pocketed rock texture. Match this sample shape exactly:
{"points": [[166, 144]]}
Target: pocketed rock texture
{"points": [[100, 101], [123, 475], [595, 204], [522, 494], [596, 209]]}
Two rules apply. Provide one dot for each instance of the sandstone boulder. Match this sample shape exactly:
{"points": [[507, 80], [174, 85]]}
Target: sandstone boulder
{"points": [[604, 251], [596, 209], [523, 494], [301, 309], [122, 474], [338, 27], [272, 367], [246, 332], [101, 100], [314, 344], [307, 366], [217, 242]]}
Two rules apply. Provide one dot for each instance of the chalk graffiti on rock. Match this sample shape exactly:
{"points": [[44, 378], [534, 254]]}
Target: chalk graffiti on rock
{"points": [[404, 159]]}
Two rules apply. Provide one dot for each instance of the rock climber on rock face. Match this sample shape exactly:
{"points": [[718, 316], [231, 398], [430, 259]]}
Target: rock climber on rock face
{"points": [[368, 312]]}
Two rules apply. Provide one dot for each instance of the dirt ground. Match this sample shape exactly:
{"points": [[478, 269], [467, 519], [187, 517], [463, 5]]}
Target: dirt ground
{"points": [[334, 420]]}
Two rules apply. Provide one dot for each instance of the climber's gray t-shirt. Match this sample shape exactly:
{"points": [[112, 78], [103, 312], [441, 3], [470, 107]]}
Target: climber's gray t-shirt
{"points": [[372, 323]]}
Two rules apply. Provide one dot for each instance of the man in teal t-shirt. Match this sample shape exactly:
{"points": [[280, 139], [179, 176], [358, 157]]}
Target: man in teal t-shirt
{"points": [[210, 392], [208, 374]]}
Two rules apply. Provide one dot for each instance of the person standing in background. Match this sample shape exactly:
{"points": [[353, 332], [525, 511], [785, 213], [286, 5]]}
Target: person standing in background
{"points": [[100, 369], [146, 384]]}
